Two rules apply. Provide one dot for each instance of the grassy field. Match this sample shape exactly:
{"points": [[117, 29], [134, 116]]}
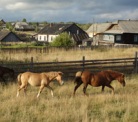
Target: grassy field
{"points": [[63, 107], [71, 55]]}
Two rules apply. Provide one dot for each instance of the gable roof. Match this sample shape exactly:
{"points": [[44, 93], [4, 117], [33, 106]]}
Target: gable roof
{"points": [[129, 26], [2, 21], [54, 28], [5, 33], [98, 27], [124, 26]]}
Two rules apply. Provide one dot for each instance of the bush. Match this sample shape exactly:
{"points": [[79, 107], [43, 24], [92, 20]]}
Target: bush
{"points": [[63, 40]]}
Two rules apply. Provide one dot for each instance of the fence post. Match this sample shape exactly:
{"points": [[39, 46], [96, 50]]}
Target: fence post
{"points": [[136, 64], [83, 63], [31, 65]]}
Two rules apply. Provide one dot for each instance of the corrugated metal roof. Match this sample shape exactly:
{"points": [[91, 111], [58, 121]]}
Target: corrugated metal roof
{"points": [[98, 27]]}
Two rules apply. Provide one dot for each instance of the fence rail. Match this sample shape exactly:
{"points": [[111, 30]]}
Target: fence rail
{"points": [[69, 68]]}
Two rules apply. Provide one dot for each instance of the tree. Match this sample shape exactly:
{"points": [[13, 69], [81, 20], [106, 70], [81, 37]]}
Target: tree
{"points": [[24, 20], [63, 40], [9, 26]]}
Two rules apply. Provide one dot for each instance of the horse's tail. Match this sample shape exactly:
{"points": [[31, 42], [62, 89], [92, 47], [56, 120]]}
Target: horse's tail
{"points": [[19, 79], [78, 77]]}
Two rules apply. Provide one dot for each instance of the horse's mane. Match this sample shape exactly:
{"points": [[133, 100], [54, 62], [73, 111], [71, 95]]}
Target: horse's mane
{"points": [[52, 74], [115, 72]]}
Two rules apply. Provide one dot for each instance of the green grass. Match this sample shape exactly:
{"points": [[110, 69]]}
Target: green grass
{"points": [[63, 107], [31, 45]]}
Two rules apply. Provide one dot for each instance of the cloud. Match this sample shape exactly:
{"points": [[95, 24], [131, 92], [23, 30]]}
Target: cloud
{"points": [[68, 10], [17, 6]]}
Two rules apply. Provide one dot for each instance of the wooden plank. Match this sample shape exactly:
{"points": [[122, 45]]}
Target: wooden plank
{"points": [[71, 67]]}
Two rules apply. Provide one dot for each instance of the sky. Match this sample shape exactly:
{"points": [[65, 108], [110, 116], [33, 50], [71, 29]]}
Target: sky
{"points": [[79, 11]]}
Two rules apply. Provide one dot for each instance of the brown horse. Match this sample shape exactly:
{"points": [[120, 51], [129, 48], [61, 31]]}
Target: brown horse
{"points": [[6, 71], [103, 78], [38, 79]]}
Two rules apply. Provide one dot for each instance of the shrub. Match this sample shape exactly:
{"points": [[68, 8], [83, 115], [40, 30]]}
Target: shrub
{"points": [[63, 39]]}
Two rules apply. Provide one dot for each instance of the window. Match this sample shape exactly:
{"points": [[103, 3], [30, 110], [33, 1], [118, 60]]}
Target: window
{"points": [[51, 38], [118, 37], [45, 38], [39, 37], [108, 38], [135, 38]]}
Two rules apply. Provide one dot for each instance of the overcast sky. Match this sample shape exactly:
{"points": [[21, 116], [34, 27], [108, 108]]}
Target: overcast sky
{"points": [[82, 11]]}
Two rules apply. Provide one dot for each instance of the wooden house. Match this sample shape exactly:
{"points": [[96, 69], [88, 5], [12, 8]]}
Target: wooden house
{"points": [[8, 37], [95, 31], [122, 31], [51, 31], [23, 26]]}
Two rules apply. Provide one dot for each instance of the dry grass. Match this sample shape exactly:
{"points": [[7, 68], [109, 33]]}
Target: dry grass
{"points": [[62, 55], [64, 107]]}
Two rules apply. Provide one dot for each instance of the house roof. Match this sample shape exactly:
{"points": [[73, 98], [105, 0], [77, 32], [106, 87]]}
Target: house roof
{"points": [[129, 26], [54, 28], [3, 34], [98, 27], [2, 21], [114, 31], [125, 26]]}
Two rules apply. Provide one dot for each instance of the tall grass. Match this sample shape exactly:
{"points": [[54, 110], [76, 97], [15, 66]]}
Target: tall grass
{"points": [[63, 107], [62, 55]]}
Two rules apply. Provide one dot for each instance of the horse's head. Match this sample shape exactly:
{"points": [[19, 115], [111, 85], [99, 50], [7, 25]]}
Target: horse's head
{"points": [[59, 78], [121, 79]]}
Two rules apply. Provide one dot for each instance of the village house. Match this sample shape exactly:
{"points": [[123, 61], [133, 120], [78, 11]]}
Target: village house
{"points": [[51, 31], [2, 24], [123, 31], [23, 26], [8, 37], [120, 32], [96, 30]]}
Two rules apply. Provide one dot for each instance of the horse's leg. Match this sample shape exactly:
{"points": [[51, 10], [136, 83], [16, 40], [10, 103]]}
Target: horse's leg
{"points": [[76, 87], [25, 88], [111, 88], [19, 89], [50, 89], [103, 88], [40, 90], [84, 88]]}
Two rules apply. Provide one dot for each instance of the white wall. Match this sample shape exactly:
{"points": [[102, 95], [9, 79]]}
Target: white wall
{"points": [[46, 38], [109, 38]]}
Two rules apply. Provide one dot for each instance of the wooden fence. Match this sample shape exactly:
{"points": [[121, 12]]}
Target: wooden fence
{"points": [[69, 68]]}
